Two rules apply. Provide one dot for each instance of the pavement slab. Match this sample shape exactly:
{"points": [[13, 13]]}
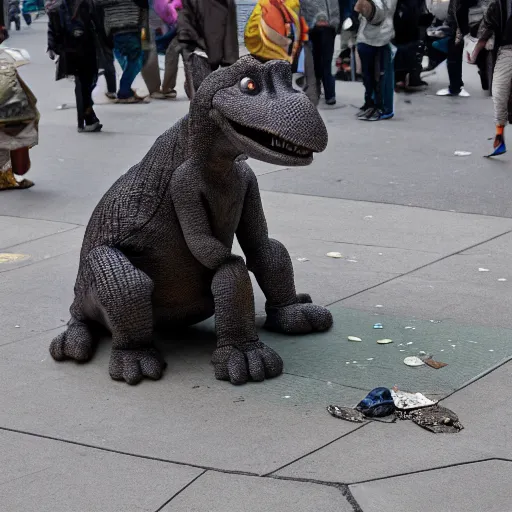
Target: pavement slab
{"points": [[216, 492], [15, 231], [41, 475], [464, 288], [488, 488]]}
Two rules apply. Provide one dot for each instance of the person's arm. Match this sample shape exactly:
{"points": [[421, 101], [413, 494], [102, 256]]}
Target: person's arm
{"points": [[187, 33], [489, 26]]}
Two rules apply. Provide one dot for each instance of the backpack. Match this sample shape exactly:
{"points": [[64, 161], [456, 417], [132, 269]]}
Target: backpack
{"points": [[73, 27]]}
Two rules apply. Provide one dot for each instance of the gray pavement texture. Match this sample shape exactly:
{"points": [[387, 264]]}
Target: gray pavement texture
{"points": [[415, 225]]}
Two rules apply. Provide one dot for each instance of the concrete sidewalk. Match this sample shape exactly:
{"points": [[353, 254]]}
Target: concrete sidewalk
{"points": [[414, 223]]}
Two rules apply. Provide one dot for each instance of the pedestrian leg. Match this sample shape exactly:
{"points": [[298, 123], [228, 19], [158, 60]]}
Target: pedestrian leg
{"points": [[172, 57], [329, 83], [128, 51], [501, 89], [109, 70], [367, 55], [454, 64], [151, 70]]}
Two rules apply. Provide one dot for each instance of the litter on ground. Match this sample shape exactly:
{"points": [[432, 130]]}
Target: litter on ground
{"points": [[413, 361]]}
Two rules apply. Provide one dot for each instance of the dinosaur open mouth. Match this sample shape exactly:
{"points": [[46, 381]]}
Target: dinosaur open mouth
{"points": [[270, 141]]}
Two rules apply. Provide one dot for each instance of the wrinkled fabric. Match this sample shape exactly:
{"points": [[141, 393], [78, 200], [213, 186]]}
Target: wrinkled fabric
{"points": [[275, 30]]}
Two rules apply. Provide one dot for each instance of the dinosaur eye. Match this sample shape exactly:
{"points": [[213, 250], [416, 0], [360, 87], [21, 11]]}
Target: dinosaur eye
{"points": [[248, 85]]}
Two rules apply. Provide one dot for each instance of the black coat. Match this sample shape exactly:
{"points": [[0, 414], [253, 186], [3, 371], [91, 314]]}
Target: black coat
{"points": [[73, 60]]}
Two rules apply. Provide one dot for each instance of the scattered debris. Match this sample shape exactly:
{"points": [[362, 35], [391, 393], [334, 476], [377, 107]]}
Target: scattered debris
{"points": [[462, 153], [346, 413], [302, 260], [435, 321], [435, 418], [470, 341], [410, 327], [402, 350], [65, 106], [377, 403], [7, 257], [17, 326], [501, 279], [370, 359], [286, 396], [404, 400], [334, 255], [483, 270], [413, 361], [354, 362], [239, 399], [354, 338], [382, 402], [385, 341], [378, 326], [454, 346], [379, 306], [434, 364], [491, 350], [352, 261], [368, 217], [410, 343]]}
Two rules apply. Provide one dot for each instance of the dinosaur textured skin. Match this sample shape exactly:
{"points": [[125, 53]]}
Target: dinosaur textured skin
{"points": [[158, 247]]}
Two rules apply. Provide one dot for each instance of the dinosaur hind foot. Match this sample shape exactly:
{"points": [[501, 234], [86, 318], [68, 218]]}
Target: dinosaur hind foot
{"points": [[75, 343]]}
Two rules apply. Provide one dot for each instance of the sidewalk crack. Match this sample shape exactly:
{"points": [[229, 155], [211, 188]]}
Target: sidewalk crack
{"points": [[181, 490]]}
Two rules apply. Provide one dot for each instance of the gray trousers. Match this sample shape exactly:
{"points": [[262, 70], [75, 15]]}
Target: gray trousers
{"points": [[151, 70], [502, 84]]}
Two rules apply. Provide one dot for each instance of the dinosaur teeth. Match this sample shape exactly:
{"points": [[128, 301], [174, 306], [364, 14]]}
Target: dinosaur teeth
{"points": [[292, 148]]}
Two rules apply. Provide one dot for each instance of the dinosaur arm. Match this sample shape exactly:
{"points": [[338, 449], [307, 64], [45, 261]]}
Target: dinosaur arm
{"points": [[267, 259], [194, 222]]}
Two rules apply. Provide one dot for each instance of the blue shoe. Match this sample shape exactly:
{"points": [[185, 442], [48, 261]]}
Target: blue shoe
{"points": [[500, 150], [389, 115], [441, 45]]}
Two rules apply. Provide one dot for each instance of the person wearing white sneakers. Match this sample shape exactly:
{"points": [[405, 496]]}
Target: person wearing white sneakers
{"points": [[457, 20]]}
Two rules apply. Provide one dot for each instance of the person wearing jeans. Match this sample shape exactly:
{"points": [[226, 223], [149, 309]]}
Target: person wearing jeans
{"points": [[123, 22], [373, 45], [323, 19], [128, 52]]}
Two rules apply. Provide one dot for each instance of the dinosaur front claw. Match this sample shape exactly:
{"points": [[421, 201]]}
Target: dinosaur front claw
{"points": [[299, 318], [246, 361], [133, 365]]}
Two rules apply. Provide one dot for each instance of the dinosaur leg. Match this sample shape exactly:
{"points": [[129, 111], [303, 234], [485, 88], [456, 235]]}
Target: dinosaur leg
{"points": [[240, 356], [75, 343], [287, 311], [122, 296]]}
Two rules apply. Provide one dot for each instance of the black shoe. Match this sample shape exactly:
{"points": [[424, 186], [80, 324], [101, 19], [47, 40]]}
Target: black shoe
{"points": [[372, 114], [331, 101], [363, 110]]}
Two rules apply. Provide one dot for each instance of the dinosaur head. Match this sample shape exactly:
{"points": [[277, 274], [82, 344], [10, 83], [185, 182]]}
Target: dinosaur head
{"points": [[260, 114]]}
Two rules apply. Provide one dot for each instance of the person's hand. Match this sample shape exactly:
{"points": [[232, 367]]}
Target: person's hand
{"points": [[363, 7], [51, 54]]}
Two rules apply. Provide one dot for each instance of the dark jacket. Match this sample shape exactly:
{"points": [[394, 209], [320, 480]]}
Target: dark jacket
{"points": [[458, 15], [210, 25], [73, 59], [495, 20]]}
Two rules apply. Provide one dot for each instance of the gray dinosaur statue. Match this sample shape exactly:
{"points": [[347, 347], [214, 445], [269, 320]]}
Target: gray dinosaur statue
{"points": [[157, 249]]}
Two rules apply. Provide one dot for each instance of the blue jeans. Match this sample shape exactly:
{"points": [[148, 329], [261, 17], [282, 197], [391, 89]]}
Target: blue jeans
{"points": [[128, 52]]}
